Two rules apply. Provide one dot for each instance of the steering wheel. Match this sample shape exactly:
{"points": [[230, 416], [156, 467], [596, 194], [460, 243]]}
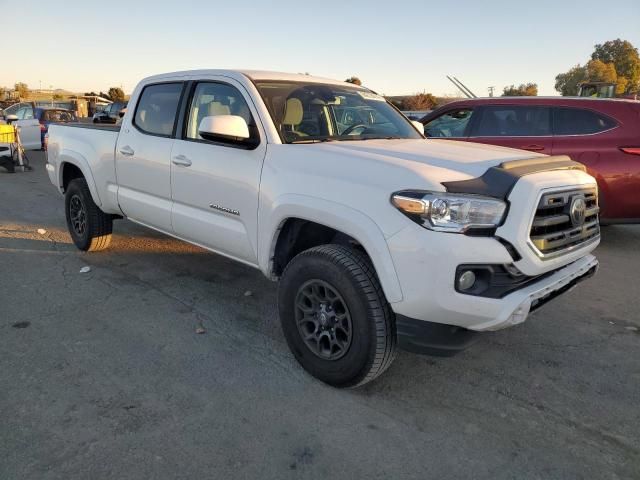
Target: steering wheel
{"points": [[353, 127]]}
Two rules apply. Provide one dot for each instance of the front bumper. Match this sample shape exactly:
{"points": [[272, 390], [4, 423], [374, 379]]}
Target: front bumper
{"points": [[426, 263], [419, 336], [534, 296]]}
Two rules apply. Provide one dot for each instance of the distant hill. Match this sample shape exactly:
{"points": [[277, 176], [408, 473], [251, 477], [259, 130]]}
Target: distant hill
{"points": [[399, 99]]}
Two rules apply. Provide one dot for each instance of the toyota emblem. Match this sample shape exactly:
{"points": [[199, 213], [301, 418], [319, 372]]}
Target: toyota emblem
{"points": [[578, 211]]}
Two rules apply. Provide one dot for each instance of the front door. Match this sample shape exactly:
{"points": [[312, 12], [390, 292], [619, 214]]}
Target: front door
{"points": [[215, 184], [453, 124], [28, 128], [143, 156], [526, 127]]}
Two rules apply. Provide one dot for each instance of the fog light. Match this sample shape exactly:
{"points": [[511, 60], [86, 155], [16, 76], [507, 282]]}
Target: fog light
{"points": [[466, 280]]}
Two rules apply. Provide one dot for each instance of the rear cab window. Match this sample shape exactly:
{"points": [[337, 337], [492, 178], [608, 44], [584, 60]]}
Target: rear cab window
{"points": [[580, 121], [513, 121], [157, 109], [454, 123], [59, 116]]}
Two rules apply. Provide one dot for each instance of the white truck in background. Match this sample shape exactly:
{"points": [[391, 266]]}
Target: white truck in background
{"points": [[378, 237]]}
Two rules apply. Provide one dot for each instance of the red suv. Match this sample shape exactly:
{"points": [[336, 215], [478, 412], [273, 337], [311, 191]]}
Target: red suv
{"points": [[602, 134]]}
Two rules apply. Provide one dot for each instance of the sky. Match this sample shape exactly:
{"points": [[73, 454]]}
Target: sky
{"points": [[395, 47]]}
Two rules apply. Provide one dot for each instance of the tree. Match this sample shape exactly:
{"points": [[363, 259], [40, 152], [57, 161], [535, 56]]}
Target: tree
{"points": [[57, 96], [524, 90], [567, 83], [626, 60], [354, 80], [116, 94], [22, 89], [598, 71], [419, 101]]}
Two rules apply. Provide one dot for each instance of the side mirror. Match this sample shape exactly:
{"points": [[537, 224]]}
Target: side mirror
{"points": [[11, 118], [226, 128], [418, 126]]}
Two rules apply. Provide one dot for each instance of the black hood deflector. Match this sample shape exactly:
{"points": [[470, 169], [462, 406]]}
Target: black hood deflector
{"points": [[499, 181]]}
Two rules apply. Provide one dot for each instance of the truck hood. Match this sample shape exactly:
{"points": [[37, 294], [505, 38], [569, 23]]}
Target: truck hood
{"points": [[465, 158]]}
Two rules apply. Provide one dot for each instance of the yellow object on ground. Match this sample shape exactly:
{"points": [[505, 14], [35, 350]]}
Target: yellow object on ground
{"points": [[7, 134]]}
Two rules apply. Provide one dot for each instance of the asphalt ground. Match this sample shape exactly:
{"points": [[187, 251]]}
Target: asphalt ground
{"points": [[102, 374]]}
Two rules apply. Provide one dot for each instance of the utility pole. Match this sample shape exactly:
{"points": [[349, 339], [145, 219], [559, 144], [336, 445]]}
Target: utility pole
{"points": [[491, 89]]}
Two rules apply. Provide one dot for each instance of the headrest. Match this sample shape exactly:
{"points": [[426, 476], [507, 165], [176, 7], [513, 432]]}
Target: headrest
{"points": [[293, 112], [217, 108]]}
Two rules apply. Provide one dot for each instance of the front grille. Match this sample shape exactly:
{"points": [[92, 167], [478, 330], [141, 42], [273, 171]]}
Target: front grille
{"points": [[556, 229]]}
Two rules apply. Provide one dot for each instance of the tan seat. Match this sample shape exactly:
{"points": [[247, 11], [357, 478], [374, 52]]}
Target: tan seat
{"points": [[293, 113]]}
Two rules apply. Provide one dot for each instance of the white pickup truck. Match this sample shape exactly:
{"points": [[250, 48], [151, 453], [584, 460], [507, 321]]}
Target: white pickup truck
{"points": [[379, 237]]}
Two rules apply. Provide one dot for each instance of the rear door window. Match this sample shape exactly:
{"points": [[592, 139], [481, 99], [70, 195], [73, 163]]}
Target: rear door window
{"points": [[514, 121], [580, 121], [157, 108], [453, 123]]}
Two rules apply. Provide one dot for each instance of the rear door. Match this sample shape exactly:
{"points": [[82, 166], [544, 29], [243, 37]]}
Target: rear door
{"points": [[526, 127], [28, 128], [215, 184], [143, 154], [595, 140]]}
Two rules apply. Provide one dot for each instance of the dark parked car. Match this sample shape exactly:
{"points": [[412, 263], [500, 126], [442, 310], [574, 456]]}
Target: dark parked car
{"points": [[110, 113], [46, 116], [604, 135]]}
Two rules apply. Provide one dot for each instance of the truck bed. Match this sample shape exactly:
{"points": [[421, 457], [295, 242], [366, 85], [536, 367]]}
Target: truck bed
{"points": [[91, 126], [92, 149]]}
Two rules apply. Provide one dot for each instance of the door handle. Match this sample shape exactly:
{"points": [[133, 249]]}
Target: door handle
{"points": [[181, 160], [533, 148], [127, 150]]}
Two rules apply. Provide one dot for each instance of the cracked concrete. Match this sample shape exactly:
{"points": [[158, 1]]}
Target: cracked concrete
{"points": [[103, 376]]}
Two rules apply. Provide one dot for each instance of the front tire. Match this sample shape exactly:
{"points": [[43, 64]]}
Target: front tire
{"points": [[90, 227], [335, 317]]}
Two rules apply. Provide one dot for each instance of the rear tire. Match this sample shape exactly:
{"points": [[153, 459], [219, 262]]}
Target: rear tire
{"points": [[335, 317], [90, 227]]}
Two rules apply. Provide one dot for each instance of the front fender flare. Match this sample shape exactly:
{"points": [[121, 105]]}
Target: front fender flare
{"points": [[334, 215]]}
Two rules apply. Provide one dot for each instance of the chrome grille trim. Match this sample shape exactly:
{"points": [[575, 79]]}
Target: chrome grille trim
{"points": [[553, 232]]}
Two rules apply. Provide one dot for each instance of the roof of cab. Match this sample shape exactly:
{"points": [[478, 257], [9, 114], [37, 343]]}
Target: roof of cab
{"points": [[254, 75]]}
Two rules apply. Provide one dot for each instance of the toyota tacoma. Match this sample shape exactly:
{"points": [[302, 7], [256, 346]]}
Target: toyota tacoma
{"points": [[379, 237]]}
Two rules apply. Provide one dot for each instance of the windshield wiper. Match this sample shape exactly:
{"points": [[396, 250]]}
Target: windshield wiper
{"points": [[313, 140], [357, 138]]}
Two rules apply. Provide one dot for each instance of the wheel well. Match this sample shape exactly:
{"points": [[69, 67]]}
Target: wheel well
{"points": [[69, 172], [297, 235]]}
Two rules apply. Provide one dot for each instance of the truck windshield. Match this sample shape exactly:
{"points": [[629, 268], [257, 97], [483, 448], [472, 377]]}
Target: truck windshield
{"points": [[314, 112]]}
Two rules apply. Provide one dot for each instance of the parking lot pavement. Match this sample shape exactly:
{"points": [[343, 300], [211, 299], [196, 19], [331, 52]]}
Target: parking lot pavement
{"points": [[102, 374]]}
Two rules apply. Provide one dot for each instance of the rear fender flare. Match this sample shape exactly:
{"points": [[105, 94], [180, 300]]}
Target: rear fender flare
{"points": [[76, 159]]}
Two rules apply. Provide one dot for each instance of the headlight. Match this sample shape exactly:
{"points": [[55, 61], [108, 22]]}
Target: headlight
{"points": [[446, 212]]}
